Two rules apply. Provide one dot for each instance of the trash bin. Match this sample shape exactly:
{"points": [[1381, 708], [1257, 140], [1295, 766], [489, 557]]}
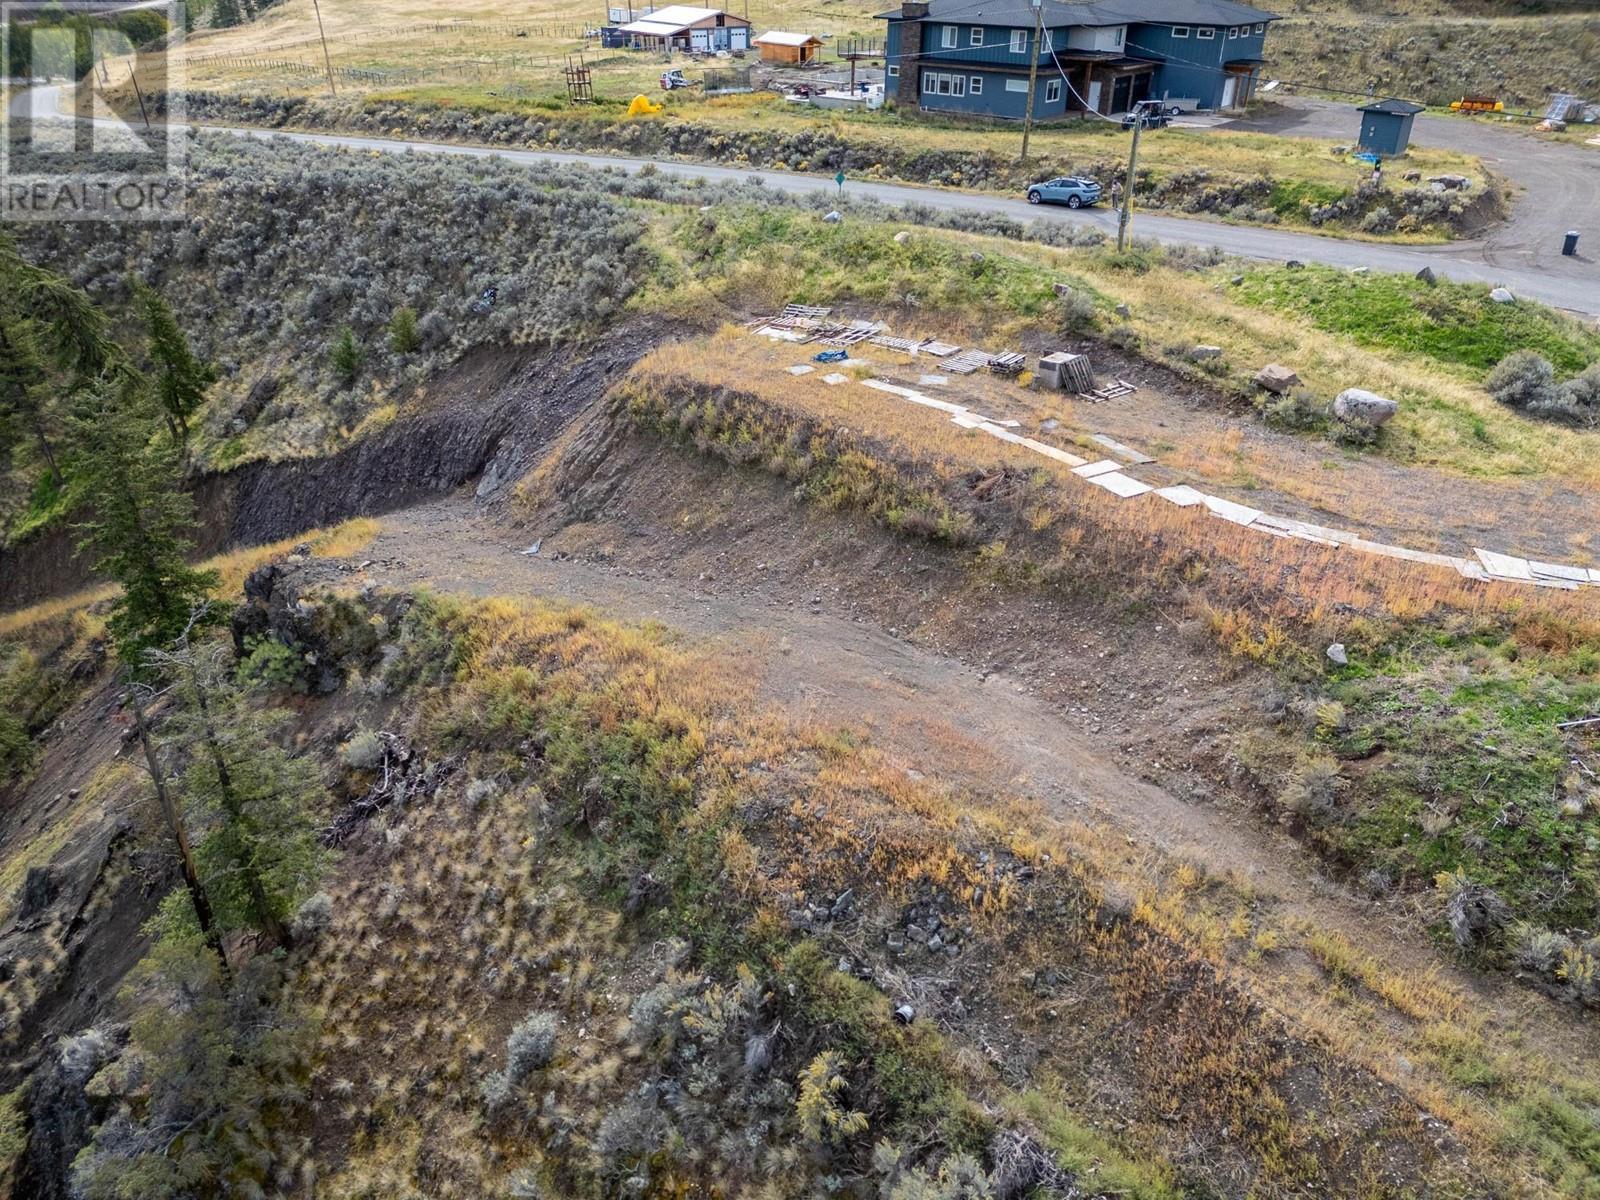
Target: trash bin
{"points": [[1569, 245]]}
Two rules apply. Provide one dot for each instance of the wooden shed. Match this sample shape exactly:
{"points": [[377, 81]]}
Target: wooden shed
{"points": [[790, 49]]}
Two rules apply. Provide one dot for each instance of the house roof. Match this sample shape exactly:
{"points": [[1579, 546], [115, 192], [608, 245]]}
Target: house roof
{"points": [[775, 37], [675, 17], [1395, 108], [1019, 13]]}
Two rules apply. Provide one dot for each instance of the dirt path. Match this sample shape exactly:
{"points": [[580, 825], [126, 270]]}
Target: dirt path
{"points": [[1105, 728]]}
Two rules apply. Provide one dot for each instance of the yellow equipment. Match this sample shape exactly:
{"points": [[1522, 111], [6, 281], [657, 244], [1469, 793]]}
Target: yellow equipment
{"points": [[641, 106]]}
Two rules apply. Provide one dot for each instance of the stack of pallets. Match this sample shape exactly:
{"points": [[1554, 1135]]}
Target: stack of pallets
{"points": [[1009, 363]]}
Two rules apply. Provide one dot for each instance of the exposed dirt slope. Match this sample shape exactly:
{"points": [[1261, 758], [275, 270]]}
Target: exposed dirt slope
{"points": [[1128, 723]]}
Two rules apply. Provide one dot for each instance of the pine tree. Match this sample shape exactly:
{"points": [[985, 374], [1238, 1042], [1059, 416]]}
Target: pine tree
{"points": [[25, 407], [138, 532], [180, 378], [140, 525], [225, 14], [42, 314], [346, 355], [260, 856]]}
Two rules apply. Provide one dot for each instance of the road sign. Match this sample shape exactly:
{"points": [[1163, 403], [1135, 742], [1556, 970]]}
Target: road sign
{"points": [[839, 179]]}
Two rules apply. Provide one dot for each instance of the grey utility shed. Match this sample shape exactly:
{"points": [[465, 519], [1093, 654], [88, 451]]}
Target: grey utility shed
{"points": [[1386, 126]]}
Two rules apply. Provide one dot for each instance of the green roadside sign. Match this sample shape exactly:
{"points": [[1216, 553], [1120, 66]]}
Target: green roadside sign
{"points": [[839, 179]]}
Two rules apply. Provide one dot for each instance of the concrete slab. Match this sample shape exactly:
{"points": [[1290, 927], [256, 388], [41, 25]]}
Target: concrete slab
{"points": [[1505, 566], [1059, 455], [1384, 550], [801, 369], [1473, 569], [835, 379], [1126, 453], [1182, 495], [1090, 470], [781, 335], [1239, 514], [1303, 530], [934, 380], [916, 397], [1119, 484], [1544, 570]]}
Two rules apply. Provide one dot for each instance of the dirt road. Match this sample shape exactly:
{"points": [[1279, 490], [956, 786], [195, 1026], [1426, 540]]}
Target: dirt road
{"points": [[1002, 697]]}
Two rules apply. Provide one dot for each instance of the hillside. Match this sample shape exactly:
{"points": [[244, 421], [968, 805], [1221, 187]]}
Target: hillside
{"points": [[624, 754]]}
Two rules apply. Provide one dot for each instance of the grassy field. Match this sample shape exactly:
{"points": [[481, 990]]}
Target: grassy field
{"points": [[499, 61]]}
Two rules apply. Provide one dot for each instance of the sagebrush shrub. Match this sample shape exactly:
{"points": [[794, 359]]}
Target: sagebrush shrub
{"points": [[1523, 380]]}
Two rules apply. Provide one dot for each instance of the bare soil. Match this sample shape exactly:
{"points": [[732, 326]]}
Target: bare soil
{"points": [[1124, 721]]}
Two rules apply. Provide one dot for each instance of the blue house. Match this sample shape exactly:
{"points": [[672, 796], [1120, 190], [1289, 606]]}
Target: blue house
{"points": [[973, 56]]}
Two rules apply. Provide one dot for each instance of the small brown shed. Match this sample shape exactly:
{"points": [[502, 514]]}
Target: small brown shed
{"points": [[792, 49]]}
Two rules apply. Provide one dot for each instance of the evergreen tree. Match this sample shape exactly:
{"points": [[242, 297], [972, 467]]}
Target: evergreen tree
{"points": [[346, 355], [25, 407], [42, 314], [225, 14], [260, 855], [223, 1066], [179, 377], [138, 532], [140, 523]]}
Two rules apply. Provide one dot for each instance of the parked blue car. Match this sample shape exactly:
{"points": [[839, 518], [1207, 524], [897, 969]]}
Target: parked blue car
{"points": [[1074, 193]]}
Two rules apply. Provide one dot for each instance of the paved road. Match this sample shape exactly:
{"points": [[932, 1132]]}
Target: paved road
{"points": [[1559, 182], [1579, 291]]}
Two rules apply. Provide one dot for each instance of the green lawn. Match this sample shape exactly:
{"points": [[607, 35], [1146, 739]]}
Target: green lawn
{"points": [[1451, 323]]}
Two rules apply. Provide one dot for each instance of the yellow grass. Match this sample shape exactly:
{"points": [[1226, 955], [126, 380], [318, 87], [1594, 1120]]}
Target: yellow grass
{"points": [[232, 568], [1255, 585]]}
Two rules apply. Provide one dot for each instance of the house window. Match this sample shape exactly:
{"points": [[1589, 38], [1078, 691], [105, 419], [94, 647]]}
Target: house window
{"points": [[958, 85], [1233, 31], [1052, 91], [951, 36], [1205, 34], [1016, 85], [1019, 41], [976, 35], [944, 85], [1180, 31], [894, 72], [1116, 38], [976, 88], [929, 83], [1261, 26]]}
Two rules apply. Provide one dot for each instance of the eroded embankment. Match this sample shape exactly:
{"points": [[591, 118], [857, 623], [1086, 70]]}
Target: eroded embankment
{"points": [[488, 416]]}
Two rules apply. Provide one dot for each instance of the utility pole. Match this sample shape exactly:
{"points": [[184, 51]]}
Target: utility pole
{"points": [[326, 61], [1033, 75], [1125, 217]]}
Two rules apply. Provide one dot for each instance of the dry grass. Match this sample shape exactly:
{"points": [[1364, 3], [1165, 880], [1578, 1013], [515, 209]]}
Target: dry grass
{"points": [[232, 568], [885, 454], [799, 812]]}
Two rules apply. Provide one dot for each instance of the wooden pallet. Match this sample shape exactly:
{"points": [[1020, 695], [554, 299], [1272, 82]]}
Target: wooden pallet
{"points": [[966, 362], [806, 311], [1009, 363], [904, 345], [842, 335], [937, 349], [1119, 387]]}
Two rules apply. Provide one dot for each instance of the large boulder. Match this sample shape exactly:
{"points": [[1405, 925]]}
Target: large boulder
{"points": [[1362, 407], [1277, 379], [1502, 295]]}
